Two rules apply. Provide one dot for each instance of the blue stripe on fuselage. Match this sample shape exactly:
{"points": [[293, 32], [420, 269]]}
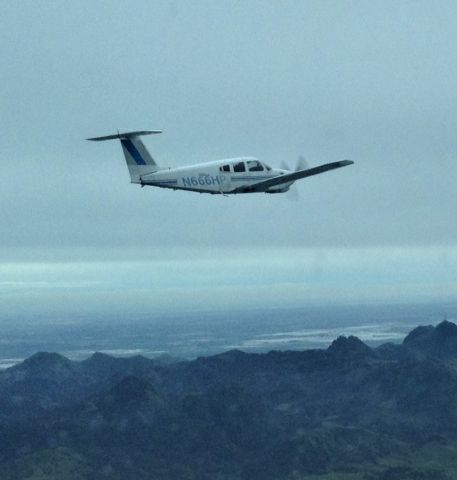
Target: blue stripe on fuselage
{"points": [[133, 151], [246, 178]]}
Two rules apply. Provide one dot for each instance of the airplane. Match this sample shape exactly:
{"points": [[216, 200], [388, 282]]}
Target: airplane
{"points": [[224, 177]]}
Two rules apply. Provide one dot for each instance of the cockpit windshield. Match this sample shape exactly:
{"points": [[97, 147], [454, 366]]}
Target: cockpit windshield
{"points": [[254, 166]]}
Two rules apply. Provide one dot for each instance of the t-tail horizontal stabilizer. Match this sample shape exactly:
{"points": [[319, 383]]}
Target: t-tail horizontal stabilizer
{"points": [[119, 136]]}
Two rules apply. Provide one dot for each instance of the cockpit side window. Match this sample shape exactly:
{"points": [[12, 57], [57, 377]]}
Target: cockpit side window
{"points": [[255, 166], [239, 167]]}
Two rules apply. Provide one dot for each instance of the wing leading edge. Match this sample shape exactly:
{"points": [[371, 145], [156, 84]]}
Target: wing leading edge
{"points": [[291, 177]]}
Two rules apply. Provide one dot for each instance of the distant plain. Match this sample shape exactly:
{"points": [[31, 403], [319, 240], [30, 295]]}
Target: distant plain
{"points": [[188, 335]]}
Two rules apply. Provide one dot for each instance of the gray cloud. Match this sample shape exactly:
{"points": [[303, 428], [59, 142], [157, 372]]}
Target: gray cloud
{"points": [[374, 82], [226, 278]]}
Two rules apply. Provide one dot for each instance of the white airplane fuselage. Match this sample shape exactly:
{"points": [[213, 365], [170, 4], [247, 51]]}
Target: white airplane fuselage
{"points": [[217, 177]]}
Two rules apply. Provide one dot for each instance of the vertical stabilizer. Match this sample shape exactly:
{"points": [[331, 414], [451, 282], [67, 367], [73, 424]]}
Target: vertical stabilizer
{"points": [[139, 160]]}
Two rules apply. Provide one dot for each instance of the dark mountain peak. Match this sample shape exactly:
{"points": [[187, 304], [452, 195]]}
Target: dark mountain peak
{"points": [[418, 332], [439, 341], [229, 357], [446, 329], [99, 358], [232, 354], [45, 360], [349, 347]]}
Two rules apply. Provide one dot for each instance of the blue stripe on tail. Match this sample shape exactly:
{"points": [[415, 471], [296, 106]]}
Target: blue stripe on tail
{"points": [[133, 151]]}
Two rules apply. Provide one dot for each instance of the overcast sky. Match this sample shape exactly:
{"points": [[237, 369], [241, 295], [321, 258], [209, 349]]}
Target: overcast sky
{"points": [[375, 82]]}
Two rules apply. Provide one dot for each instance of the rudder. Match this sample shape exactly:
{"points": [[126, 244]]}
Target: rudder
{"points": [[139, 160]]}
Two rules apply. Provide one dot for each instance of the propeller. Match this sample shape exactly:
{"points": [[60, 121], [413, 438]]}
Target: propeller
{"points": [[302, 164]]}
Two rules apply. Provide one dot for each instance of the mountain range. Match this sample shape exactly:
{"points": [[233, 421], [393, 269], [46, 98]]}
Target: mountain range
{"points": [[346, 412]]}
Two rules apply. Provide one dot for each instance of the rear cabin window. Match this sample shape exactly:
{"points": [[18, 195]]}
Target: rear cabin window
{"points": [[255, 166], [239, 167], [225, 168]]}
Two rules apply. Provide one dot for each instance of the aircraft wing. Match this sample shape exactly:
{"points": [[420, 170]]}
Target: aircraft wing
{"points": [[290, 177]]}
